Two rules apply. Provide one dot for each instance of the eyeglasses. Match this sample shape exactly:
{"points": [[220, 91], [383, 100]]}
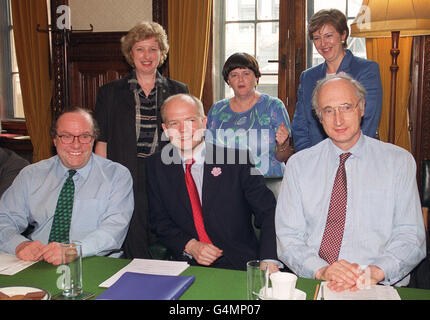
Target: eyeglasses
{"points": [[83, 138], [344, 109]]}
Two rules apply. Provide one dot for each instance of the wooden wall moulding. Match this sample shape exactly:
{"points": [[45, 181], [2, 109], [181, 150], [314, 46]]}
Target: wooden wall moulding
{"points": [[94, 60], [59, 54], [419, 105], [96, 46], [425, 114]]}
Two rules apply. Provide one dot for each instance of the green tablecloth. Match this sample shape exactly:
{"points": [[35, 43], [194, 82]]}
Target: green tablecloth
{"points": [[210, 283]]}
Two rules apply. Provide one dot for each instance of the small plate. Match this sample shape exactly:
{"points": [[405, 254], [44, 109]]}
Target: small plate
{"points": [[297, 295], [22, 291]]}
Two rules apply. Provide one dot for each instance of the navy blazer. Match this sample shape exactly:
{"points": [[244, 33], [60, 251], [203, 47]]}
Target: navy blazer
{"points": [[307, 129], [229, 201]]}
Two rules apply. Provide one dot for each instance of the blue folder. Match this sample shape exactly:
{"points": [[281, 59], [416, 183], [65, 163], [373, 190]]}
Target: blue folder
{"points": [[142, 286]]}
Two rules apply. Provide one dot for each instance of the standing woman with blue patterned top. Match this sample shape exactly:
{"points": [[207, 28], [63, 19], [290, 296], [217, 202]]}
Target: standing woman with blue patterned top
{"points": [[251, 120]]}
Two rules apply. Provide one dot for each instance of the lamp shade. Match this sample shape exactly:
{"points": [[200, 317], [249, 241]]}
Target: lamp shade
{"points": [[377, 18]]}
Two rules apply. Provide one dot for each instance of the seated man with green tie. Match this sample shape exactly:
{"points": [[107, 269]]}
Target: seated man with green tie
{"points": [[72, 196], [349, 211]]}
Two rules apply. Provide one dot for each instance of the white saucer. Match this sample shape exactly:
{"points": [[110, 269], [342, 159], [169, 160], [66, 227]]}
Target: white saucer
{"points": [[297, 295], [22, 290]]}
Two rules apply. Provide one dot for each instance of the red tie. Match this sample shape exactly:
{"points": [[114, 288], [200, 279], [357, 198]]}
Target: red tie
{"points": [[333, 233], [195, 204]]}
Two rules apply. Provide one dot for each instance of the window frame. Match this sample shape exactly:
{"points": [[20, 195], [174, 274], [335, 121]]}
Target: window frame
{"points": [[310, 5], [220, 87], [291, 51], [6, 56], [6, 60]]}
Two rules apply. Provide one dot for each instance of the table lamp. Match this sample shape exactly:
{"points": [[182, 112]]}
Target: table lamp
{"points": [[392, 18]]}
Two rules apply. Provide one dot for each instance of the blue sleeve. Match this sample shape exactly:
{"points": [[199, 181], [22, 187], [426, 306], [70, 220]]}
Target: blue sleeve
{"points": [[280, 115], [209, 117], [210, 135], [370, 78], [14, 214], [300, 125]]}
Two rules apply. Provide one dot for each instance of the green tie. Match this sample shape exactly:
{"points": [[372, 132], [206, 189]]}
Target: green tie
{"points": [[63, 211]]}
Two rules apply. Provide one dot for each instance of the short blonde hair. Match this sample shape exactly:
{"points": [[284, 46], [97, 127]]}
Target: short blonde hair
{"points": [[142, 31]]}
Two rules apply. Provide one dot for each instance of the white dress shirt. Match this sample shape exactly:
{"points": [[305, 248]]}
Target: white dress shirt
{"points": [[383, 226], [102, 207]]}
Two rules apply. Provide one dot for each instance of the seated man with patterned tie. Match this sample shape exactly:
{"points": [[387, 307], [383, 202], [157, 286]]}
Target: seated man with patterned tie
{"points": [[200, 203], [72, 196], [349, 209]]}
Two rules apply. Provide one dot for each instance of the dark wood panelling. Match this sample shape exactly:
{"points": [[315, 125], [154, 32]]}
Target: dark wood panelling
{"points": [[419, 106], [160, 13], [24, 148], [60, 97], [95, 59], [15, 126], [425, 138]]}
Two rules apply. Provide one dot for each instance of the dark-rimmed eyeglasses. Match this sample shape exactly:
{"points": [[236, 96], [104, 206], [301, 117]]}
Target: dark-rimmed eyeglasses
{"points": [[69, 138]]}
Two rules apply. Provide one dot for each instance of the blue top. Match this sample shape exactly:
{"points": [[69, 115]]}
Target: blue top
{"points": [[384, 224], [307, 130], [102, 207], [254, 129]]}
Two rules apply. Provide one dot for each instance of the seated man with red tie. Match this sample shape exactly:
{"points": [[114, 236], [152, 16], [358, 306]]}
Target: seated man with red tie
{"points": [[72, 196], [202, 198], [349, 210]]}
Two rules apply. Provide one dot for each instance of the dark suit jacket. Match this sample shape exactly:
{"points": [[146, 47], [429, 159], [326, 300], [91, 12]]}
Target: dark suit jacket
{"points": [[228, 201], [10, 165], [115, 113]]}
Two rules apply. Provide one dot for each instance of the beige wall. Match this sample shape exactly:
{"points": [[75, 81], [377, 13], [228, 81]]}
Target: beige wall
{"points": [[109, 15]]}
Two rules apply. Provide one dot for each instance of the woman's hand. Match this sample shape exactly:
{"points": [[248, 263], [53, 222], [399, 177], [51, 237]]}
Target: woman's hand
{"points": [[282, 134], [283, 148]]}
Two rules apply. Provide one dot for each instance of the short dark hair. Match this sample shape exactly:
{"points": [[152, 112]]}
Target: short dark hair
{"points": [[96, 130], [241, 60], [332, 17]]}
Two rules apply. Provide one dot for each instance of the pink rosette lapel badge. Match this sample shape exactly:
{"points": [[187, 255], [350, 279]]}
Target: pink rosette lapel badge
{"points": [[216, 171]]}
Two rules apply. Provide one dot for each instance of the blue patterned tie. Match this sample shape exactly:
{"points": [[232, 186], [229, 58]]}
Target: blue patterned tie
{"points": [[63, 211]]}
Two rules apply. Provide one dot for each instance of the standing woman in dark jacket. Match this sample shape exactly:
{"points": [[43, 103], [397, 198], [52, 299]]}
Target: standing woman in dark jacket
{"points": [[128, 113]]}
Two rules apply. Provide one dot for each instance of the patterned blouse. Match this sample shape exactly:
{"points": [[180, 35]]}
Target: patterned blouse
{"points": [[146, 118], [254, 129]]}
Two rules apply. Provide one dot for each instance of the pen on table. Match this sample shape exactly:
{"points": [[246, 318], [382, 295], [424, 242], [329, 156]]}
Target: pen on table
{"points": [[316, 291]]}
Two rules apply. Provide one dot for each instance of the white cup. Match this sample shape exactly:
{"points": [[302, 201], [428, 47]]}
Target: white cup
{"points": [[283, 285]]}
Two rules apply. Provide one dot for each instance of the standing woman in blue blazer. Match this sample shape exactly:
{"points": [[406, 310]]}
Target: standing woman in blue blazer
{"points": [[328, 29]]}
